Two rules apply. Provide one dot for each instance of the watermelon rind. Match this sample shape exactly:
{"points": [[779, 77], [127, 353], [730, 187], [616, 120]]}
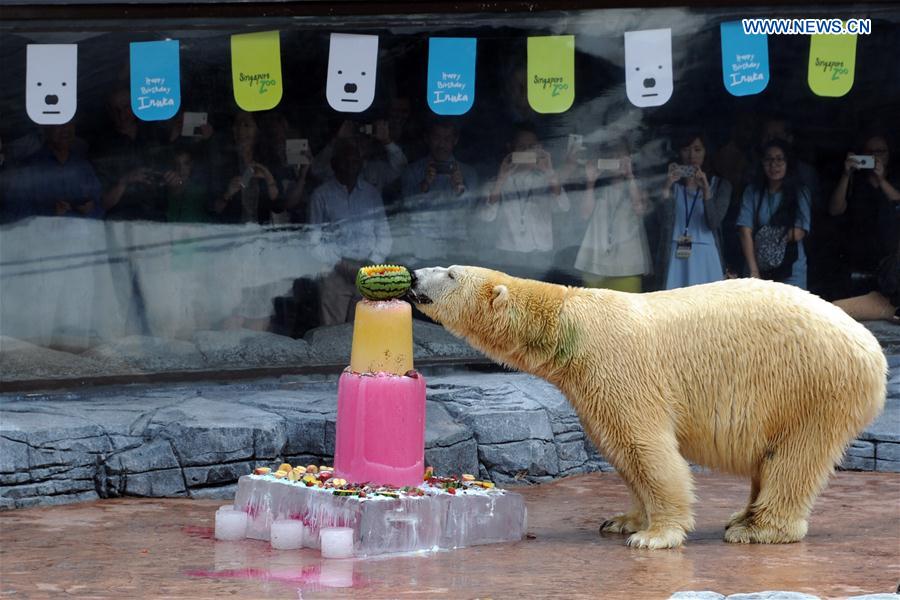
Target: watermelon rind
{"points": [[383, 282]]}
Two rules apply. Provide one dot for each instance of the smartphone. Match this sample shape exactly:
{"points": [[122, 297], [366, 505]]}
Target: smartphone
{"points": [[192, 124], [865, 161], [246, 177], [443, 167], [685, 170], [297, 151], [367, 129], [609, 164], [528, 157]]}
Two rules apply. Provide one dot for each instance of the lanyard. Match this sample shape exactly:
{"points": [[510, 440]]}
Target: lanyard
{"points": [[690, 213]]}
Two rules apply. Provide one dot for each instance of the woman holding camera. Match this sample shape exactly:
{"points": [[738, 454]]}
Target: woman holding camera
{"points": [[614, 253], [521, 202], [692, 206], [252, 194], [774, 219], [869, 203]]}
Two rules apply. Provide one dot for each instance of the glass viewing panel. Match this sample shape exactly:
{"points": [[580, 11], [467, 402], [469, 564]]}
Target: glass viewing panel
{"points": [[635, 149]]}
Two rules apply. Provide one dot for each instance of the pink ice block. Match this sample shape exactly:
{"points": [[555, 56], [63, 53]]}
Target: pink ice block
{"points": [[380, 429]]}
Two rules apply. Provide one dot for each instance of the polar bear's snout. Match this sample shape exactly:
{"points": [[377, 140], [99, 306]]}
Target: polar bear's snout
{"points": [[429, 285], [416, 295]]}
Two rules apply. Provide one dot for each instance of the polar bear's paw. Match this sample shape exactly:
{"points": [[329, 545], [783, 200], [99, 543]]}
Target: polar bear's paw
{"points": [[658, 537], [738, 518], [627, 523], [748, 532]]}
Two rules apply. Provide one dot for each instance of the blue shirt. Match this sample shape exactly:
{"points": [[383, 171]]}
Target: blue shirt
{"points": [[768, 206], [441, 192], [690, 203], [354, 223], [43, 181]]}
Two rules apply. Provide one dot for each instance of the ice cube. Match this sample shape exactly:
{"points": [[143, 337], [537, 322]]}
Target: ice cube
{"points": [[287, 534], [231, 525], [336, 542]]}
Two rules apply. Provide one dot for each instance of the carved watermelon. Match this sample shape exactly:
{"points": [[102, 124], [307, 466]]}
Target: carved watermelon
{"points": [[382, 282]]}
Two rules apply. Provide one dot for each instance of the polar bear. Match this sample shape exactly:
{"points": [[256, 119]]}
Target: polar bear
{"points": [[746, 376]]}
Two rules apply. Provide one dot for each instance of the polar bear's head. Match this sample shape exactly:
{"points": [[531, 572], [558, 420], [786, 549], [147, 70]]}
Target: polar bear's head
{"points": [[514, 321]]}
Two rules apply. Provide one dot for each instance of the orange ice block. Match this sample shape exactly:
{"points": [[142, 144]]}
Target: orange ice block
{"points": [[382, 337]]}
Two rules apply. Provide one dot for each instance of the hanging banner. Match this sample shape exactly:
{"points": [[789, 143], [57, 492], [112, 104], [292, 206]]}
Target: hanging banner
{"points": [[551, 73], [832, 64], [155, 80], [352, 64], [51, 83], [745, 60], [256, 70], [648, 67], [451, 75]]}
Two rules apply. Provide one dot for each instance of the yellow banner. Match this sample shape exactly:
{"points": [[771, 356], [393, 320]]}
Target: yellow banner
{"points": [[832, 64], [256, 70], [551, 73]]}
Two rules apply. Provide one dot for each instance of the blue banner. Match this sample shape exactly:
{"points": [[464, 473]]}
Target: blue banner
{"points": [[155, 80], [451, 75], [745, 60]]}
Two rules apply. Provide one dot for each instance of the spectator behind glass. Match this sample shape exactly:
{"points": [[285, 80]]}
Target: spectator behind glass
{"points": [[779, 128], [55, 181], [383, 160], [884, 301], [692, 206], [404, 129], [186, 191], [355, 230], [251, 193], [776, 199], [132, 189], [734, 163], [291, 179], [614, 253], [870, 202], [522, 200], [438, 191]]}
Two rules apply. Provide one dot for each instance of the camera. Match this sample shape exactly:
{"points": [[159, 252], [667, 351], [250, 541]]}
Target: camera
{"points": [[444, 167], [528, 157], [685, 171], [864, 161], [246, 177], [609, 164]]}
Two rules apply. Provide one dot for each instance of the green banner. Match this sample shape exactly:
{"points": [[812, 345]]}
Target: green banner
{"points": [[551, 73], [256, 70]]}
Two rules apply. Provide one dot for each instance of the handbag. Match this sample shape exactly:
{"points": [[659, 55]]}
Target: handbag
{"points": [[770, 245]]}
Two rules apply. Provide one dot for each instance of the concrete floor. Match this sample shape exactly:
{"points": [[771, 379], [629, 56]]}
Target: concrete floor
{"points": [[164, 548]]}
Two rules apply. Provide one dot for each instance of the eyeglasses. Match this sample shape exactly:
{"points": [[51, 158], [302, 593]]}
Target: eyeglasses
{"points": [[774, 161]]}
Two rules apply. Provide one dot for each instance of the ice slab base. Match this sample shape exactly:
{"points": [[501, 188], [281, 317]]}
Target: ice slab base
{"points": [[384, 525]]}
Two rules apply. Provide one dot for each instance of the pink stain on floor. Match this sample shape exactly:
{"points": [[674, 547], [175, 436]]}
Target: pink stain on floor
{"points": [[205, 533], [311, 578]]}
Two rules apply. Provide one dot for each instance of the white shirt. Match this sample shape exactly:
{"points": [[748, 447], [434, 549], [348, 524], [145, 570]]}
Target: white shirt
{"points": [[354, 223], [524, 213]]}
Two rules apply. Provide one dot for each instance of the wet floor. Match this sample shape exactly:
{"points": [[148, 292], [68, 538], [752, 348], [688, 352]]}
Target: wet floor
{"points": [[158, 548]]}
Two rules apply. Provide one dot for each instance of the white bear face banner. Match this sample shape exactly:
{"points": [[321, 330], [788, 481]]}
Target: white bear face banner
{"points": [[648, 67], [51, 83], [352, 64]]}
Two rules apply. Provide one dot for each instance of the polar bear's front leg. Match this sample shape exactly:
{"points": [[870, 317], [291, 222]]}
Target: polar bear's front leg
{"points": [[659, 476]]}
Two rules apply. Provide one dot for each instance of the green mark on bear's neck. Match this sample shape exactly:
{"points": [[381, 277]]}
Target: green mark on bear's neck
{"points": [[567, 343]]}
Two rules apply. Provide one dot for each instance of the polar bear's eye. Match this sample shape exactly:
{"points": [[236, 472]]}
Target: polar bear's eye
{"points": [[450, 275]]}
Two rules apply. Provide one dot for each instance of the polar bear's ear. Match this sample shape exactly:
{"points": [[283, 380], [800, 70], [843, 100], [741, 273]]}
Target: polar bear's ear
{"points": [[500, 296]]}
